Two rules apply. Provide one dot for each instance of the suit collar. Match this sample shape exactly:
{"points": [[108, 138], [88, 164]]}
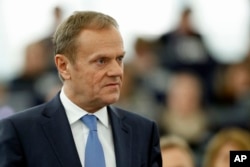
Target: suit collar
{"points": [[122, 137], [58, 132]]}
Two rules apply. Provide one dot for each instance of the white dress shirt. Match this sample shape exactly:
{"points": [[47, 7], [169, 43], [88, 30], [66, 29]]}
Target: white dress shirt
{"points": [[80, 130]]}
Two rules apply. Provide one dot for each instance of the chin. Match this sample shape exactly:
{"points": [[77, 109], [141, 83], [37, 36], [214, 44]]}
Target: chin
{"points": [[111, 99]]}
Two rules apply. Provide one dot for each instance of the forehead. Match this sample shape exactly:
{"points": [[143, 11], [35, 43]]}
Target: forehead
{"points": [[100, 36], [94, 40]]}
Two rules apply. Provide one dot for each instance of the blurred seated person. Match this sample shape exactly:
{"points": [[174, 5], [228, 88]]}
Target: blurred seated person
{"points": [[38, 80], [226, 140], [184, 114], [137, 98], [57, 14], [23, 90], [183, 48], [150, 75], [176, 152], [231, 106]]}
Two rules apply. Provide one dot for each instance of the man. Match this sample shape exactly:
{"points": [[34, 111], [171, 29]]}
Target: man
{"points": [[89, 57]]}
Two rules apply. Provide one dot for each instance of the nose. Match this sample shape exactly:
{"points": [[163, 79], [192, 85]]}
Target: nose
{"points": [[115, 69]]}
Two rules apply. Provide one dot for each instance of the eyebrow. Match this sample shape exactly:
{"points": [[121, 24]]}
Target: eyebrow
{"points": [[123, 53], [105, 55]]}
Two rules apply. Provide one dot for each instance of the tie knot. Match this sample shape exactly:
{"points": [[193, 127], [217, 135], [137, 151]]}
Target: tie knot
{"points": [[90, 121]]}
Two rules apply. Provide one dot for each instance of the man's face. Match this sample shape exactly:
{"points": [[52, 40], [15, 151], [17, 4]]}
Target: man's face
{"points": [[95, 79]]}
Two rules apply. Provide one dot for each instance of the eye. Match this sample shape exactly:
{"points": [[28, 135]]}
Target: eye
{"points": [[101, 61], [120, 58]]}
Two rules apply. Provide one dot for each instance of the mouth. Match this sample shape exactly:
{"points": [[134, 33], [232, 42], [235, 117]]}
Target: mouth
{"points": [[113, 84]]}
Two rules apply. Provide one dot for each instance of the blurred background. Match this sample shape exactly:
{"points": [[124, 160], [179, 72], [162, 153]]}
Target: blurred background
{"points": [[187, 65], [224, 24]]}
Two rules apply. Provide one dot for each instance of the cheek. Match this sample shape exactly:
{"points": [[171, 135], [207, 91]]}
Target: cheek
{"points": [[96, 80], [83, 79]]}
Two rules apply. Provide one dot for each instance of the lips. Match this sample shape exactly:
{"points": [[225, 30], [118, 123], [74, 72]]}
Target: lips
{"points": [[113, 84]]}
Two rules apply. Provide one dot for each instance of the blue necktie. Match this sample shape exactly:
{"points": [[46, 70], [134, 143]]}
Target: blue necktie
{"points": [[94, 156]]}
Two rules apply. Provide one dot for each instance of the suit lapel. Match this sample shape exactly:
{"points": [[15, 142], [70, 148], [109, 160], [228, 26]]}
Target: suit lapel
{"points": [[122, 138], [58, 133]]}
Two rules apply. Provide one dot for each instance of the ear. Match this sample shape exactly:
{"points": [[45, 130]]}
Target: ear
{"points": [[62, 64]]}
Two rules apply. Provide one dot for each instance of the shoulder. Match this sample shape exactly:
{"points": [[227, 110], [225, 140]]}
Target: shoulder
{"points": [[138, 126], [22, 123], [132, 117]]}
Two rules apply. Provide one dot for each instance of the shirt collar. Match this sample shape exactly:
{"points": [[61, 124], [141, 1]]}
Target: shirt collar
{"points": [[74, 112]]}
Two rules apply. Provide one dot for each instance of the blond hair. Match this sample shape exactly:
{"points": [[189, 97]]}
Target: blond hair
{"points": [[238, 136], [174, 141]]}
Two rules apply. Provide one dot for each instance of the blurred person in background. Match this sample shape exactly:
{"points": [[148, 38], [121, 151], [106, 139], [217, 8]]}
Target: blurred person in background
{"points": [[57, 14], [176, 152], [38, 80], [184, 114], [231, 106], [135, 97], [89, 58], [183, 48], [144, 92], [22, 88], [224, 141], [151, 76]]}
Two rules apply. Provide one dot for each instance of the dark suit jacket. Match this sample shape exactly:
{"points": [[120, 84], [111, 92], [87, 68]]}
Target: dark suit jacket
{"points": [[41, 137]]}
